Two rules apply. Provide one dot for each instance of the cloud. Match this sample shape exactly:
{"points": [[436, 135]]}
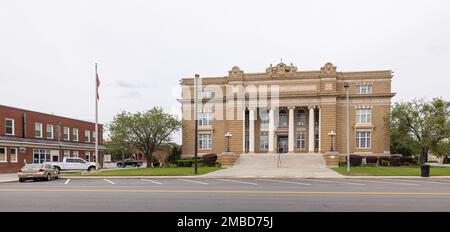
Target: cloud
{"points": [[129, 85], [131, 94]]}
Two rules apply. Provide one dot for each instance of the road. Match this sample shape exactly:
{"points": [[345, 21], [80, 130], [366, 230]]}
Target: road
{"points": [[227, 195]]}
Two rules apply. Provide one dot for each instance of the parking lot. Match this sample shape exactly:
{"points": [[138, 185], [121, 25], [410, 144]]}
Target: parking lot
{"points": [[196, 194]]}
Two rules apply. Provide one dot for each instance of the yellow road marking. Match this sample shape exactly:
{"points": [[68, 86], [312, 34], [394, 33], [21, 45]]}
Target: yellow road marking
{"points": [[228, 191]]}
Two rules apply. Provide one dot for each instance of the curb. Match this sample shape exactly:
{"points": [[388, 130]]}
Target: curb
{"points": [[250, 177]]}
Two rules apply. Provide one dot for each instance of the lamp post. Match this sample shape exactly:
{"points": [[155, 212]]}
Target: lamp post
{"points": [[346, 86], [228, 136], [331, 134], [196, 122]]}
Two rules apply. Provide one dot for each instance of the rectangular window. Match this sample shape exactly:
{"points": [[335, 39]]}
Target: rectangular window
{"points": [[38, 130], [94, 136], [264, 119], [364, 89], [66, 153], [363, 115], [75, 134], [363, 139], [205, 94], [75, 154], [41, 156], [3, 155], [264, 141], [9, 126], [204, 119], [301, 141], [49, 131], [204, 141], [87, 136], [66, 133], [13, 155]]}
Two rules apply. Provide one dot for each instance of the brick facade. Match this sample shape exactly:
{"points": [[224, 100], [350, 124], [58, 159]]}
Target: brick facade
{"points": [[49, 146], [314, 93]]}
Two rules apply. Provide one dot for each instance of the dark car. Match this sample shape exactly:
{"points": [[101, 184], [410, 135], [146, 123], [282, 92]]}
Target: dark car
{"points": [[129, 162]]}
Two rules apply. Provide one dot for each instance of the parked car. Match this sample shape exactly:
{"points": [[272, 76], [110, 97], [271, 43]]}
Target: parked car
{"points": [[73, 164], [129, 162], [38, 171]]}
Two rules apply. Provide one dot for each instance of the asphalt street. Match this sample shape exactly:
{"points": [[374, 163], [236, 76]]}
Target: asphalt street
{"points": [[227, 195]]}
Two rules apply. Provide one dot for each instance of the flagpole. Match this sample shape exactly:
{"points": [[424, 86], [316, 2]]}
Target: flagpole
{"points": [[96, 118]]}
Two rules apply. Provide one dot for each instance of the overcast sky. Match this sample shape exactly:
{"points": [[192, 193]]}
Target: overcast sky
{"points": [[48, 48]]}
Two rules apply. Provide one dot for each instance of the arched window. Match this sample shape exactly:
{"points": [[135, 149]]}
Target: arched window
{"points": [[283, 119], [301, 117]]}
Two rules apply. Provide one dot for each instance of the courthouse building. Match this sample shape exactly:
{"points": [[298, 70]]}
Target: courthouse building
{"points": [[308, 117], [32, 137]]}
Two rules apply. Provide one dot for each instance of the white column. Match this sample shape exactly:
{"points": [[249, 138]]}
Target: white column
{"points": [[243, 131], [251, 148], [311, 129], [271, 130], [291, 134]]}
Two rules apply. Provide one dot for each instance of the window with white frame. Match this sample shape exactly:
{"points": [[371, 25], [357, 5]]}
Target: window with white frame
{"points": [[204, 141], [49, 131], [283, 119], [75, 134], [206, 93], [9, 126], [301, 141], [41, 156], [75, 154], [264, 116], [264, 141], [363, 139], [66, 153], [3, 155], [301, 117], [13, 155], [38, 130], [66, 133], [87, 136], [364, 89], [363, 115], [204, 119], [94, 136]]}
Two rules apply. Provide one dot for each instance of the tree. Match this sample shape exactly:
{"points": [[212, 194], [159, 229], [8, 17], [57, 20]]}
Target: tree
{"points": [[144, 131], [427, 123], [442, 149], [175, 152]]}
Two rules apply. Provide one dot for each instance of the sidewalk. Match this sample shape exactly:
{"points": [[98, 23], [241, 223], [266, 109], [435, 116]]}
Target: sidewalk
{"points": [[8, 177]]}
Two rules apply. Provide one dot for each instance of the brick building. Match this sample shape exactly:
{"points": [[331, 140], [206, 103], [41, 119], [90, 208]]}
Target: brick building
{"points": [[304, 111], [32, 137]]}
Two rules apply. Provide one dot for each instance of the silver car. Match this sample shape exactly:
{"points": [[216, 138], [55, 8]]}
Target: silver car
{"points": [[38, 171]]}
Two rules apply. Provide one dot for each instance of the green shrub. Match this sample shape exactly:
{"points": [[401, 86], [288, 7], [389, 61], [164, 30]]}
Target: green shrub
{"points": [[384, 162], [355, 160]]}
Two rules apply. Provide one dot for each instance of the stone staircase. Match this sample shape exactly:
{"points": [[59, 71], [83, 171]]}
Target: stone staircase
{"points": [[296, 165]]}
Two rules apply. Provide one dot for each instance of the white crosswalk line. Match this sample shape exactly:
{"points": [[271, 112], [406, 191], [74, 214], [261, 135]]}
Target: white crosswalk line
{"points": [[389, 182], [339, 182], [237, 181], [284, 181], [192, 181], [155, 182], [67, 181], [109, 181]]}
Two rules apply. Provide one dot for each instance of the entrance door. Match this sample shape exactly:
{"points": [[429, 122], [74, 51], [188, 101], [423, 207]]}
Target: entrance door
{"points": [[282, 144]]}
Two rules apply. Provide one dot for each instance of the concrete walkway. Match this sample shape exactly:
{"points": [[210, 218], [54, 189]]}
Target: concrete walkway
{"points": [[8, 177], [268, 166]]}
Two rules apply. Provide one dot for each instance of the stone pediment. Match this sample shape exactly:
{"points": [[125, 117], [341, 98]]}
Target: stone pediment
{"points": [[328, 69], [281, 69], [236, 72]]}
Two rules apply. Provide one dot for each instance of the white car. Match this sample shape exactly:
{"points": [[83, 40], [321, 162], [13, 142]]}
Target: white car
{"points": [[73, 164]]}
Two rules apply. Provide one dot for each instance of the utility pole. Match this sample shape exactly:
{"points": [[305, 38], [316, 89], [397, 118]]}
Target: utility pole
{"points": [[346, 86], [196, 123]]}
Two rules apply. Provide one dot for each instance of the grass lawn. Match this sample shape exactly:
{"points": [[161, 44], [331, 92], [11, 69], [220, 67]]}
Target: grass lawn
{"points": [[391, 171], [150, 172]]}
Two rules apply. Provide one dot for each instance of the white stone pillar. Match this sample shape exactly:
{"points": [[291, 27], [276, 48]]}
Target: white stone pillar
{"points": [[271, 130], [311, 129], [291, 134], [243, 131], [251, 130]]}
